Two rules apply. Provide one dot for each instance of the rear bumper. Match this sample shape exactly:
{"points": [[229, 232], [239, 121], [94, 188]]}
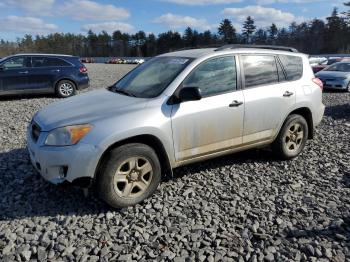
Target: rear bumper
{"points": [[317, 117], [83, 83]]}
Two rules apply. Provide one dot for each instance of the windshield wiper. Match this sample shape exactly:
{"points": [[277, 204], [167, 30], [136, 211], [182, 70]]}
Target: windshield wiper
{"points": [[121, 91]]}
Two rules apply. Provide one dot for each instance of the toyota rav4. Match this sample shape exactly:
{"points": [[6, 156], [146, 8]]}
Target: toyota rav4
{"points": [[175, 109]]}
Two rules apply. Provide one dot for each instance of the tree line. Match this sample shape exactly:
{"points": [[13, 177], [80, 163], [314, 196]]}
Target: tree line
{"points": [[312, 37]]}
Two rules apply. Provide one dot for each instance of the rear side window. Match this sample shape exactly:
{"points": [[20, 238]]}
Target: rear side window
{"points": [[48, 61], [215, 76], [259, 70], [293, 66]]}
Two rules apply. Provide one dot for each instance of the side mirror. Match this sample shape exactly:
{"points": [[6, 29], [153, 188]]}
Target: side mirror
{"points": [[190, 94]]}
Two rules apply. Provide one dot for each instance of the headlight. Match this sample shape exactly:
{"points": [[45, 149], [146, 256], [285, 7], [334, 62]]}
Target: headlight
{"points": [[68, 135]]}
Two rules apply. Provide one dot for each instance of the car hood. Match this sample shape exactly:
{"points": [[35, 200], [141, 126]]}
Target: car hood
{"points": [[332, 74], [87, 108]]}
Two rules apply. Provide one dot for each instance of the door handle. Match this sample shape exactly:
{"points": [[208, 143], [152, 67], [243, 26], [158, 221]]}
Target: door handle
{"points": [[235, 103], [288, 94], [55, 70], [23, 72]]}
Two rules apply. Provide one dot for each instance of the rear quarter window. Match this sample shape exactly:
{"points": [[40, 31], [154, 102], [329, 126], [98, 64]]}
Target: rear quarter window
{"points": [[293, 66], [51, 61], [259, 70]]}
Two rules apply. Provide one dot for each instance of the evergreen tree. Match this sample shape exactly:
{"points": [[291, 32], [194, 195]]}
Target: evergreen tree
{"points": [[260, 37], [334, 37], [227, 31], [248, 29], [347, 13], [273, 31]]}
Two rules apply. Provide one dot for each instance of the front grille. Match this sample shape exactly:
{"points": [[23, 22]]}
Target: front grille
{"points": [[35, 131]]}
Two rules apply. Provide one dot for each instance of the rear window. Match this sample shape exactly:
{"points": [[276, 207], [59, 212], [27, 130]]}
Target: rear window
{"points": [[259, 70], [293, 65], [48, 61]]}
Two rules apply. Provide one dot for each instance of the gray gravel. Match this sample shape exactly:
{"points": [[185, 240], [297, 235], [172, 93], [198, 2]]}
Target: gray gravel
{"points": [[242, 207]]}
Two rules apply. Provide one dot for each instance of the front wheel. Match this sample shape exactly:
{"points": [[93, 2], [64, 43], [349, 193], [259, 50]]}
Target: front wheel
{"points": [[292, 137], [130, 174], [65, 88]]}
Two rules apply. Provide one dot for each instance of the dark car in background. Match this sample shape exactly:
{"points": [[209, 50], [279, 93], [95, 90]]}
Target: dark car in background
{"points": [[62, 75]]}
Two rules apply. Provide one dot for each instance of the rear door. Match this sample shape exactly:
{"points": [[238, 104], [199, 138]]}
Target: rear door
{"points": [[214, 123], [14, 74], [268, 96]]}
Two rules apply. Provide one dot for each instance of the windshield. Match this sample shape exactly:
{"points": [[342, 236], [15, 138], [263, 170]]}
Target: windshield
{"points": [[151, 78], [340, 67]]}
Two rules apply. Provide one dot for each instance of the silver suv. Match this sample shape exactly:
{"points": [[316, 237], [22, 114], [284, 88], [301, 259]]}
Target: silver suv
{"points": [[175, 109]]}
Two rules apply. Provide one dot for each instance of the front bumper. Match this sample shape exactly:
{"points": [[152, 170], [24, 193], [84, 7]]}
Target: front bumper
{"points": [[335, 84], [62, 164]]}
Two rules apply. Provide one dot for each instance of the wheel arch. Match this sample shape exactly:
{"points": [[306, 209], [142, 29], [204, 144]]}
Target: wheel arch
{"points": [[149, 140], [307, 114], [65, 78]]}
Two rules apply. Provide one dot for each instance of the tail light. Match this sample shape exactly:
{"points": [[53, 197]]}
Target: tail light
{"points": [[318, 82], [83, 70]]}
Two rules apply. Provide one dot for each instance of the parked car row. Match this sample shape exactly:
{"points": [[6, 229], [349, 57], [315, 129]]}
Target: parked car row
{"points": [[320, 63], [125, 61], [87, 60], [62, 75]]}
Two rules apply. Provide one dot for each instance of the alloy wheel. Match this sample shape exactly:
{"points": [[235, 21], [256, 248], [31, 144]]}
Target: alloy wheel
{"points": [[66, 89], [294, 137], [133, 177]]}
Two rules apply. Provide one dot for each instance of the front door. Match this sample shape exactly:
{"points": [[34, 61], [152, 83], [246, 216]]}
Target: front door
{"points": [[14, 74], [214, 123]]}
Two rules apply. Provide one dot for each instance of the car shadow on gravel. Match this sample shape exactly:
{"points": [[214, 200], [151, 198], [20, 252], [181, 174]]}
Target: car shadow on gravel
{"points": [[24, 193], [262, 155], [29, 96], [338, 112], [337, 230], [346, 179]]}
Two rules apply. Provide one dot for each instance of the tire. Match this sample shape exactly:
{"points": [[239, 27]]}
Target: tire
{"points": [[348, 88], [121, 183], [292, 137], [65, 88]]}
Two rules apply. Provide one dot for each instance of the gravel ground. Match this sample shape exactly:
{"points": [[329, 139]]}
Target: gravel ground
{"points": [[242, 207]]}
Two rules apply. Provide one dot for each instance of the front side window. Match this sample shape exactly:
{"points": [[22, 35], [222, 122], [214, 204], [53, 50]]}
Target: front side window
{"points": [[259, 70], [15, 63], [215, 76], [293, 65], [151, 78]]}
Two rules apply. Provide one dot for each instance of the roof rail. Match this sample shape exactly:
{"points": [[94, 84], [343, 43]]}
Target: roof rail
{"points": [[271, 47], [199, 47]]}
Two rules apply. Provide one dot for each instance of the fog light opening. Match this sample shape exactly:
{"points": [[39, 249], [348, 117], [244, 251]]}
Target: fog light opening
{"points": [[62, 171]]}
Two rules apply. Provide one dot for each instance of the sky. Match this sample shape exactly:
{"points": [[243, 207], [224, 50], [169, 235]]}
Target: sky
{"points": [[19, 17]]}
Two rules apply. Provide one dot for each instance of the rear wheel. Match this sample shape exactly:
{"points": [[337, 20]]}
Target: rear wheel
{"points": [[65, 88], [292, 137], [348, 88], [130, 174]]}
